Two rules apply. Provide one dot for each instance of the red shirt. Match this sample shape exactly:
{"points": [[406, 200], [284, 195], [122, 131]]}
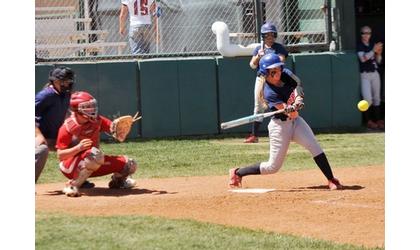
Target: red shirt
{"points": [[72, 132]]}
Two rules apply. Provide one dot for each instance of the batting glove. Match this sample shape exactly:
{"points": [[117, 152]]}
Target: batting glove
{"points": [[289, 109]]}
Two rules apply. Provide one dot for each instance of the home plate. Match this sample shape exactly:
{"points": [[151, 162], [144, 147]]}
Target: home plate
{"points": [[252, 190]]}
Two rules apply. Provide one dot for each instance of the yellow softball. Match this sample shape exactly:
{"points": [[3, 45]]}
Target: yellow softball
{"points": [[363, 105]]}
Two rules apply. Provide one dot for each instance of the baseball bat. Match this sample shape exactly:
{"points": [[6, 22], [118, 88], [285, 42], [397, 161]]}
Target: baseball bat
{"points": [[248, 119]]}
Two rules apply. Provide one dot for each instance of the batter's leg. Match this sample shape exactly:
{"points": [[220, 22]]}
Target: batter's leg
{"points": [[304, 136], [280, 133]]}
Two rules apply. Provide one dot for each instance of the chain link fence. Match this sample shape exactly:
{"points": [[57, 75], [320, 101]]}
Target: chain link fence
{"points": [[89, 29]]}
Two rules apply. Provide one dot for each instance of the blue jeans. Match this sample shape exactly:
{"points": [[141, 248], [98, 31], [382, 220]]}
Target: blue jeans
{"points": [[139, 39]]}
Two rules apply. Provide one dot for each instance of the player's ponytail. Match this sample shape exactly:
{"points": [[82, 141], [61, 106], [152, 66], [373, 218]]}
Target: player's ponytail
{"points": [[261, 99]]}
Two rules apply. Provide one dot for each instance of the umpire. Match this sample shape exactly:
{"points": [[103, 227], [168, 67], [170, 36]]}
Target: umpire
{"points": [[51, 105]]}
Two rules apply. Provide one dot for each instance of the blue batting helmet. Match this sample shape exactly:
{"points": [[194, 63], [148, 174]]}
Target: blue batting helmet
{"points": [[268, 28], [269, 61]]}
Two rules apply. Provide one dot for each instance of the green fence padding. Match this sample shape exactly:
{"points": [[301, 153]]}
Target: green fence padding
{"points": [[42, 72], [159, 98], [345, 90], [117, 91], [198, 96], [236, 91], [314, 70], [289, 63], [86, 77]]}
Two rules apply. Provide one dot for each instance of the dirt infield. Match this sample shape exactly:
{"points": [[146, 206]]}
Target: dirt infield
{"points": [[301, 205]]}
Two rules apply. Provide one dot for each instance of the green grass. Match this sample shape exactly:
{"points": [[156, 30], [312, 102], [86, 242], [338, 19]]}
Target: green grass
{"points": [[58, 231], [214, 156], [190, 157]]}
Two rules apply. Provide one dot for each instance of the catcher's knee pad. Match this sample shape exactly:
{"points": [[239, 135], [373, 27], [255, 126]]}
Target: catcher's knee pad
{"points": [[130, 167], [94, 160]]}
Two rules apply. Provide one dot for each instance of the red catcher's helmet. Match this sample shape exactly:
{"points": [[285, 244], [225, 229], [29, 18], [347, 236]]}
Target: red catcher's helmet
{"points": [[83, 103]]}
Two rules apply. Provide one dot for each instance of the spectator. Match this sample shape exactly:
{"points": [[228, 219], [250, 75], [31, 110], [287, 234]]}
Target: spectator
{"points": [[370, 55], [140, 34], [268, 35]]}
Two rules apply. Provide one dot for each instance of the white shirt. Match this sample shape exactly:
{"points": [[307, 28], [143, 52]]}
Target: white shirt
{"points": [[139, 11]]}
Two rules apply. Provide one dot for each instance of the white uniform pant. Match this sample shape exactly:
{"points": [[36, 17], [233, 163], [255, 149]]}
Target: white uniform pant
{"points": [[371, 87], [281, 133]]}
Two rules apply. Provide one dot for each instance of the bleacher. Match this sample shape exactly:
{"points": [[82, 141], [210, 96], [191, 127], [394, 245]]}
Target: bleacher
{"points": [[60, 32]]}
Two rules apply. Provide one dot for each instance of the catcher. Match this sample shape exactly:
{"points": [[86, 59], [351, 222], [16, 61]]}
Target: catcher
{"points": [[78, 146]]}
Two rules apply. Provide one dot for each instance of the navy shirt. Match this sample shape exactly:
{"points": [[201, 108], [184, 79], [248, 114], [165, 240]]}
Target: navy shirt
{"points": [[277, 48], [50, 111], [276, 95], [370, 65]]}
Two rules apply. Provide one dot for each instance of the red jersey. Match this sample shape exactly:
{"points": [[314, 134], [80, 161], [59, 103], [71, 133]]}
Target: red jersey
{"points": [[72, 131]]}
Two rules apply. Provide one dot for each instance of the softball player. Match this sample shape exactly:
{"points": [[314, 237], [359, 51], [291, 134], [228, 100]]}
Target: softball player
{"points": [[140, 31], [78, 148], [370, 55], [268, 35], [283, 90]]}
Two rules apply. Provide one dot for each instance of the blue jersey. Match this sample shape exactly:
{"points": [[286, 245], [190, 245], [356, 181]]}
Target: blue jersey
{"points": [[277, 95], [277, 48], [50, 111], [370, 65]]}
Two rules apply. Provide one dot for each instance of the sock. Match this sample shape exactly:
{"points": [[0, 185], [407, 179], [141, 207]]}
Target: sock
{"points": [[376, 113], [250, 170], [322, 162], [255, 127]]}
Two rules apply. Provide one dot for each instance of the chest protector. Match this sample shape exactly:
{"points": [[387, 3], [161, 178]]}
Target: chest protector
{"points": [[89, 130]]}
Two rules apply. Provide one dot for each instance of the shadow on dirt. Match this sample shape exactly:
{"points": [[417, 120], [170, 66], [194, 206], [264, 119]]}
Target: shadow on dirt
{"points": [[102, 191], [321, 187]]}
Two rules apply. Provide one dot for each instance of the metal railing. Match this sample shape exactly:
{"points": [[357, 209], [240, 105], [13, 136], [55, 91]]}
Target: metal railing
{"points": [[89, 29]]}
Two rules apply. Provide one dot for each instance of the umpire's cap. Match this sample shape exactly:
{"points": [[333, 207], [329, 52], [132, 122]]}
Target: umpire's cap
{"points": [[61, 73]]}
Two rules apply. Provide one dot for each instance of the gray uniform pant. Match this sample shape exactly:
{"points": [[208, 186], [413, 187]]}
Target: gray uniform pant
{"points": [[281, 133], [41, 156], [371, 87]]}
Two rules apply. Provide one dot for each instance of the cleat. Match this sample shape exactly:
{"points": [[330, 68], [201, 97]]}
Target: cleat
{"points": [[121, 183], [334, 184], [372, 125], [251, 139], [87, 184], [234, 180], [71, 191], [381, 124]]}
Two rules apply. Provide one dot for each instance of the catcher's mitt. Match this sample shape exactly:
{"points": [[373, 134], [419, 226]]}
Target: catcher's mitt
{"points": [[121, 126]]}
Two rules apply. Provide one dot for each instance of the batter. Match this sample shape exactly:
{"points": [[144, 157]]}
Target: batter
{"points": [[283, 90]]}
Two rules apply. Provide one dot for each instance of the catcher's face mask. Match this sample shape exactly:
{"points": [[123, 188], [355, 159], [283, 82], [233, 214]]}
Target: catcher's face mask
{"points": [[89, 109]]}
